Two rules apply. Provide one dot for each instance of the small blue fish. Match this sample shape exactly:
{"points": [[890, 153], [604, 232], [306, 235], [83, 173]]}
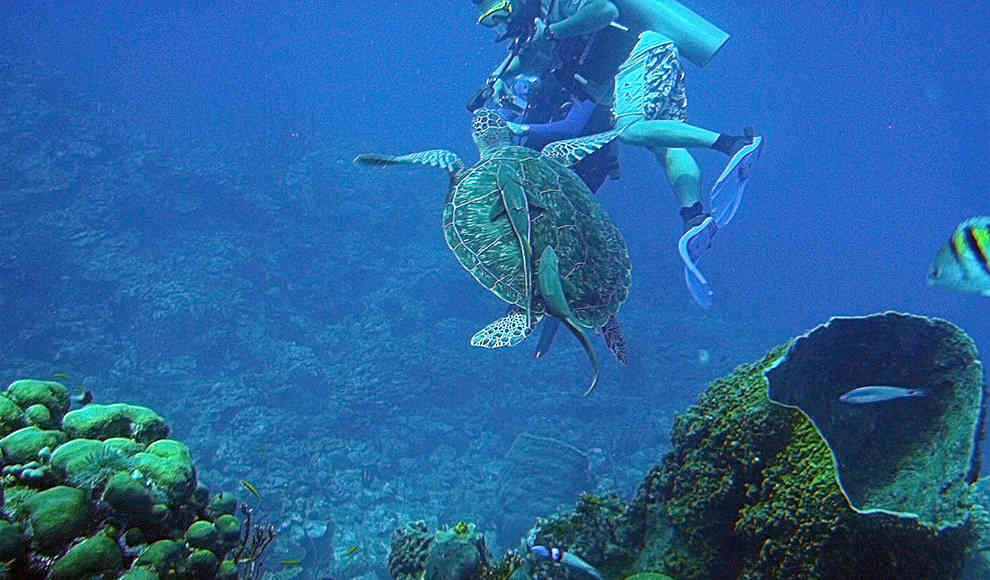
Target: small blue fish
{"points": [[879, 393]]}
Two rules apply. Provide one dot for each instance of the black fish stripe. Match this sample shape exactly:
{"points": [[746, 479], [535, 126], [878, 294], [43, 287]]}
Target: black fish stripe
{"points": [[974, 246], [955, 249]]}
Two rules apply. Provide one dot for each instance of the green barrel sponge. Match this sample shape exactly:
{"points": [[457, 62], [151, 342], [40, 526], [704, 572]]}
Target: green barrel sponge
{"points": [[39, 415], [162, 556], [202, 564], [127, 495], [56, 516], [168, 467], [140, 573], [118, 420], [88, 463], [223, 503], [24, 444], [126, 446], [227, 570], [133, 537], [10, 416], [202, 535], [229, 528], [11, 541], [94, 556], [48, 393]]}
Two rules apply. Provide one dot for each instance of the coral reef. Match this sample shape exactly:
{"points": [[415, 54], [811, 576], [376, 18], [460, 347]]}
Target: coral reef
{"points": [[749, 491], [105, 494]]}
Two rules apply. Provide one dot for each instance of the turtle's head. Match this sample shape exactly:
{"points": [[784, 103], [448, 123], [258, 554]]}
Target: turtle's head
{"points": [[489, 131]]}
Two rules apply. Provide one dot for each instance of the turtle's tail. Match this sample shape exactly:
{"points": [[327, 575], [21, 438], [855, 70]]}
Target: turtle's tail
{"points": [[375, 160]]}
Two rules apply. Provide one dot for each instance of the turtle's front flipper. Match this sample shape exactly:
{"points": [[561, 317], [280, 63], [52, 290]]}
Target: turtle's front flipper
{"points": [[552, 291], [509, 330], [434, 158], [572, 151], [517, 208]]}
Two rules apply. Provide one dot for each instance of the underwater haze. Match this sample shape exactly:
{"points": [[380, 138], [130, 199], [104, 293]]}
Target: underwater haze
{"points": [[185, 230]]}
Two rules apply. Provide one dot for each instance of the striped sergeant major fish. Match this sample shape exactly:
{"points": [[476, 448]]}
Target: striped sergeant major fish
{"points": [[964, 262]]}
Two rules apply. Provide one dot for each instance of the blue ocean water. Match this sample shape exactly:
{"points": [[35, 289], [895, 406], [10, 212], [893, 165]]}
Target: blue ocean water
{"points": [[185, 231]]}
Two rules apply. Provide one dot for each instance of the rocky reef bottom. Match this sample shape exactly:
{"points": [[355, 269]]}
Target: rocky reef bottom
{"points": [[749, 491], [101, 492]]}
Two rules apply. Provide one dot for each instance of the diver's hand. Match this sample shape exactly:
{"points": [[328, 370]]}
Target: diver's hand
{"points": [[542, 32], [500, 91], [518, 129]]}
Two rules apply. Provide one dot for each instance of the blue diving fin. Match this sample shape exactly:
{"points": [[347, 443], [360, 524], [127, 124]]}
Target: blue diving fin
{"points": [[727, 193], [695, 242]]}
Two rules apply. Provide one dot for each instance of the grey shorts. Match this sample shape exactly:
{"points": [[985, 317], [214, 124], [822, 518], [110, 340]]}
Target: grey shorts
{"points": [[650, 83]]}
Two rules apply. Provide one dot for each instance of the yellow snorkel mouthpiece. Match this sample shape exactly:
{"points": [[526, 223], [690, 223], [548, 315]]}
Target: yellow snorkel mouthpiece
{"points": [[496, 12]]}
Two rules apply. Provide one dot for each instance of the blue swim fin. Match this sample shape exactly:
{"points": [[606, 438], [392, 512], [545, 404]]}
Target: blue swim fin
{"points": [[692, 245], [727, 193]]}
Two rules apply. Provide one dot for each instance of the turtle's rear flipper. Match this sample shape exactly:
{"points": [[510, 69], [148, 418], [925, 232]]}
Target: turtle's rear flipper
{"points": [[615, 340], [552, 291], [546, 336], [572, 151], [441, 158], [509, 330]]}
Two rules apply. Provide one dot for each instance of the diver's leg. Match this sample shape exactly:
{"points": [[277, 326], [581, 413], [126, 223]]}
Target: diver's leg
{"points": [[668, 133], [682, 172]]}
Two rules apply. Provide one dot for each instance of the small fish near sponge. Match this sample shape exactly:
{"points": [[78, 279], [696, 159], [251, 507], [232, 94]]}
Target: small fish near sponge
{"points": [[910, 450]]}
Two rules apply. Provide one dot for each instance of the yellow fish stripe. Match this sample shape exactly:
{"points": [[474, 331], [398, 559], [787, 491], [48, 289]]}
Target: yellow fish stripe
{"points": [[291, 562], [981, 239], [60, 375], [352, 550], [960, 247], [251, 488]]}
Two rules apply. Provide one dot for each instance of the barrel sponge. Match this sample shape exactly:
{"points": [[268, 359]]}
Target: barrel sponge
{"points": [[56, 516], [117, 420], [11, 416], [23, 445], [168, 466], [27, 392], [161, 556], [98, 555]]}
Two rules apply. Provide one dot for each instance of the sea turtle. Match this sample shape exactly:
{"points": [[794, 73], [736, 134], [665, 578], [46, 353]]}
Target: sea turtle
{"points": [[528, 229]]}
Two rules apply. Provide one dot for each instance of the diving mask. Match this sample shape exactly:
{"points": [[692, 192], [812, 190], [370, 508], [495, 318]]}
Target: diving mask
{"points": [[494, 12]]}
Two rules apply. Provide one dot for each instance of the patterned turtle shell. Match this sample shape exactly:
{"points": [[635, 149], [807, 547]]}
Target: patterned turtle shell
{"points": [[594, 260]]}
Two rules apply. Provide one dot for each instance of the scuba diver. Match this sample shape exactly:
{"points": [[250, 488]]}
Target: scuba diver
{"points": [[540, 111], [626, 55]]}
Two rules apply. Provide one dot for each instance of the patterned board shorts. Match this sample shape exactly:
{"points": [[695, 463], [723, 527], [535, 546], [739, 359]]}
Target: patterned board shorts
{"points": [[650, 83]]}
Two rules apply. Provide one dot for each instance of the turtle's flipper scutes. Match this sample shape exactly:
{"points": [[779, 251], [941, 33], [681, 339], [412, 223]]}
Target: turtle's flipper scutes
{"points": [[509, 330], [572, 151], [441, 158]]}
